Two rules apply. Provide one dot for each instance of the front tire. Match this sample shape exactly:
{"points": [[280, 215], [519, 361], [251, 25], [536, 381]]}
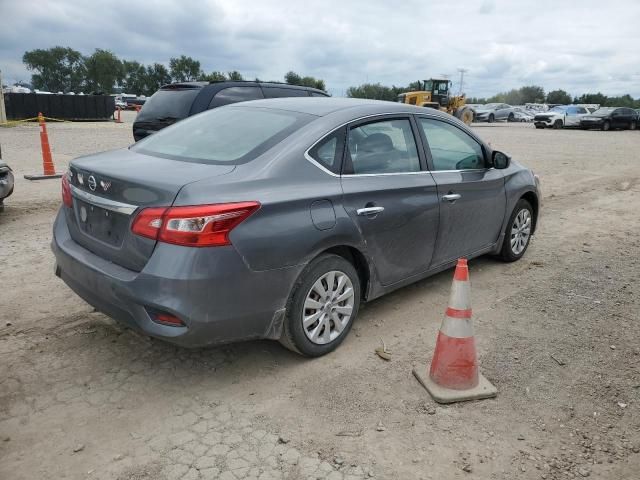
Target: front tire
{"points": [[633, 125], [606, 126], [322, 307], [511, 117], [557, 124], [492, 118], [518, 234]]}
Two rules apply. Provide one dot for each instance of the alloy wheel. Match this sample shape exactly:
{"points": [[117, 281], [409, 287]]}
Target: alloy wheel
{"points": [[328, 307], [520, 231]]}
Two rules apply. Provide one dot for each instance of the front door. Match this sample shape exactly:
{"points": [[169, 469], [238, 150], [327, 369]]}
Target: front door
{"points": [[391, 196], [472, 196]]}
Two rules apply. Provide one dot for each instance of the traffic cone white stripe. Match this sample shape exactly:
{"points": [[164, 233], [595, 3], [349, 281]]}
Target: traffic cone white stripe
{"points": [[460, 298], [457, 328]]}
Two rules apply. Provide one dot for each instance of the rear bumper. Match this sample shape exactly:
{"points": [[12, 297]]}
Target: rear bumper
{"points": [[211, 290]]}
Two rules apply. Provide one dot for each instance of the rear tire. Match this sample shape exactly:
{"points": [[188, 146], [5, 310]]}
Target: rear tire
{"points": [[518, 234], [334, 276]]}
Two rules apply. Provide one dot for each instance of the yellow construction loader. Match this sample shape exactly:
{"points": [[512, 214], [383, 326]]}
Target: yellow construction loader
{"points": [[435, 94]]}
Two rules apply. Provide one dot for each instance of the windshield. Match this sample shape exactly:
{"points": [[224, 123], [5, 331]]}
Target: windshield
{"points": [[428, 85], [558, 109], [603, 111], [168, 105], [223, 135]]}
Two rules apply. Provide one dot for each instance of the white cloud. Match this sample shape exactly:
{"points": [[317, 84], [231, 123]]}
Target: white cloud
{"points": [[577, 46]]}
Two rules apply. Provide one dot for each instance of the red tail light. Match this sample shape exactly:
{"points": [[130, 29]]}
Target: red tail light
{"points": [[194, 226], [66, 191]]}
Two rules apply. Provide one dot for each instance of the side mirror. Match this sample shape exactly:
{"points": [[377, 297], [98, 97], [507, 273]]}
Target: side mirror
{"points": [[500, 160]]}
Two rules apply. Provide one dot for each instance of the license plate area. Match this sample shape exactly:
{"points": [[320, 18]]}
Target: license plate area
{"points": [[105, 225]]}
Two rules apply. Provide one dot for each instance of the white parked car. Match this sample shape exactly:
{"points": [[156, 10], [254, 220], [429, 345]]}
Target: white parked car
{"points": [[560, 116]]}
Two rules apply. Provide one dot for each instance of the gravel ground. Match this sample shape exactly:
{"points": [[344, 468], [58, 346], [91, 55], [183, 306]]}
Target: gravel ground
{"points": [[557, 332]]}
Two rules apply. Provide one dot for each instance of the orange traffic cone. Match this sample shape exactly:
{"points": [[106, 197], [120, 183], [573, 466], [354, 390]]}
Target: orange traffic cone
{"points": [[454, 376], [49, 170]]}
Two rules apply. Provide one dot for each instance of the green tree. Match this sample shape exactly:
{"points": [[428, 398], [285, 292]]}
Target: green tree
{"points": [[157, 76], [374, 91], [531, 94], [104, 70], [214, 76], [558, 96], [598, 98], [56, 69], [235, 75], [292, 78], [184, 69], [134, 77]]}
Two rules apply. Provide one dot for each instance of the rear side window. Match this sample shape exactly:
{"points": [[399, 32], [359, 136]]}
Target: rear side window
{"points": [[451, 148], [168, 104], [223, 135], [386, 146], [328, 151], [277, 92], [235, 95]]}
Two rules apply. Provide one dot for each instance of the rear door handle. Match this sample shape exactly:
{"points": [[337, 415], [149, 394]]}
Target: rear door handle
{"points": [[451, 197], [369, 211]]}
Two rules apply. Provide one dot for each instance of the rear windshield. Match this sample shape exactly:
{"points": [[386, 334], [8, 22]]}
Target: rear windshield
{"points": [[223, 135], [168, 105]]}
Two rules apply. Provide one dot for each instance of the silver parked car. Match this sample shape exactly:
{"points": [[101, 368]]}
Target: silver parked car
{"points": [[278, 218], [492, 112]]}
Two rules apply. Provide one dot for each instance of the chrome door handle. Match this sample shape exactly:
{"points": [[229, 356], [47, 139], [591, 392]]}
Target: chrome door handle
{"points": [[452, 197], [369, 211]]}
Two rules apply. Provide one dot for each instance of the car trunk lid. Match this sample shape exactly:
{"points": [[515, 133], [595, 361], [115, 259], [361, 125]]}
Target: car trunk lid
{"points": [[108, 190]]}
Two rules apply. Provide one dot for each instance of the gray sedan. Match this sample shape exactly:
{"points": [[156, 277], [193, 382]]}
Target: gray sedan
{"points": [[277, 218], [492, 112]]}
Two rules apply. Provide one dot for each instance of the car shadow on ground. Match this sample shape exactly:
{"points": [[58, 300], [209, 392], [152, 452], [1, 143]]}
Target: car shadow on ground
{"points": [[103, 345]]}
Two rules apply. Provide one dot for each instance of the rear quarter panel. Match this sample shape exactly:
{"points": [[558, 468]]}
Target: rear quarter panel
{"points": [[282, 233]]}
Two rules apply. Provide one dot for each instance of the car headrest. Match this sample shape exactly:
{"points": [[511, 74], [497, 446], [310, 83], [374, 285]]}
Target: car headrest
{"points": [[377, 142]]}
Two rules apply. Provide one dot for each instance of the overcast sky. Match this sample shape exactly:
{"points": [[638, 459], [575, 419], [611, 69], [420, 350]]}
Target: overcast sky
{"points": [[577, 45]]}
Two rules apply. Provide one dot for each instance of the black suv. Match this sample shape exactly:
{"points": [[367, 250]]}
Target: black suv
{"points": [[180, 100]]}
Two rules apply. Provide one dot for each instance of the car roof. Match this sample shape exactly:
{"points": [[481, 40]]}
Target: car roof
{"points": [[322, 106], [235, 83]]}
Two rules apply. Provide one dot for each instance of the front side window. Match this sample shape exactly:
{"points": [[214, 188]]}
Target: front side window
{"points": [[223, 135], [386, 146], [328, 151], [451, 148], [235, 95], [318, 94]]}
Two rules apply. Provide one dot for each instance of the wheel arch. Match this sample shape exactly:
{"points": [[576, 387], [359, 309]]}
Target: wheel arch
{"points": [[533, 200], [358, 260]]}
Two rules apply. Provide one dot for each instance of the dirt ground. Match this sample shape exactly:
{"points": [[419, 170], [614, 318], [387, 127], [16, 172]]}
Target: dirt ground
{"points": [[83, 398]]}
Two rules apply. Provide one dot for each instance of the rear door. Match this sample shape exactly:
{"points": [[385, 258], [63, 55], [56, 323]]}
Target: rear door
{"points": [[472, 196], [391, 196]]}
